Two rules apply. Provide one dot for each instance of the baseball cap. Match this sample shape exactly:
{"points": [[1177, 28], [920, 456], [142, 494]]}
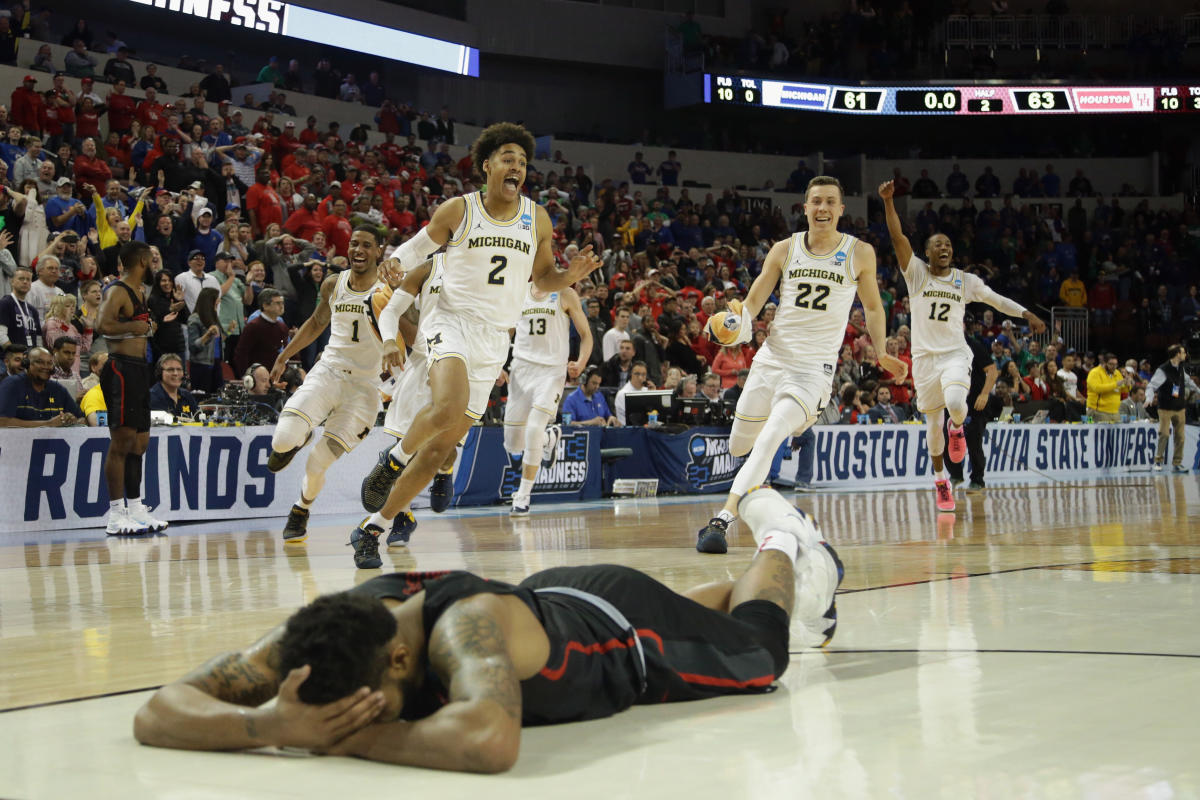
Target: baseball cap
{"points": [[195, 253], [28, 78], [63, 181], [86, 79], [228, 206], [161, 190], [335, 183], [195, 185], [206, 210], [289, 124]]}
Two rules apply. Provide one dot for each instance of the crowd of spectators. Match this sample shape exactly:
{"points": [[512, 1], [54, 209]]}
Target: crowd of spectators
{"points": [[246, 217]]}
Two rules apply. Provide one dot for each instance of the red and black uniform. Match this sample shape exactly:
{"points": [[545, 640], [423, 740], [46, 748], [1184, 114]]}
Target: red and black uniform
{"points": [[617, 638], [125, 380]]}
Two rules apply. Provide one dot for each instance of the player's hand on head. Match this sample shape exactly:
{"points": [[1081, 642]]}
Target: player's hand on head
{"points": [[295, 723]]}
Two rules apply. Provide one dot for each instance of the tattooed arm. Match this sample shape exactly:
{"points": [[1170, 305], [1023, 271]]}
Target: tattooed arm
{"points": [[479, 730], [216, 707]]}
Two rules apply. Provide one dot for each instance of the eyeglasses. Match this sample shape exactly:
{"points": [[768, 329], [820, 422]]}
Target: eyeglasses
{"points": [[173, 369]]}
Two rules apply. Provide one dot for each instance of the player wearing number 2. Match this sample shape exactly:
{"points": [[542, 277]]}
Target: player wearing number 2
{"points": [[819, 272], [938, 296], [495, 242]]}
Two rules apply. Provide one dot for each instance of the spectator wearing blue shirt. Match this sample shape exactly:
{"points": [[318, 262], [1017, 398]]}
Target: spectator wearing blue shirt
{"points": [[639, 170], [64, 212], [668, 171], [11, 149], [1051, 184], [32, 400], [587, 405], [207, 239]]}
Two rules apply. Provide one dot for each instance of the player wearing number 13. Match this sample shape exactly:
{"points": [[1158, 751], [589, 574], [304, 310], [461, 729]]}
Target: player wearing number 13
{"points": [[495, 242], [819, 273], [938, 296]]}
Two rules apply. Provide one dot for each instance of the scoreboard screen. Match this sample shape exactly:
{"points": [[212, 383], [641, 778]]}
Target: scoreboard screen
{"points": [[950, 100]]}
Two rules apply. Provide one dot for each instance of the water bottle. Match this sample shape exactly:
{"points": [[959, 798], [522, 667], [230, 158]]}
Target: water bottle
{"points": [[567, 417], [652, 418]]}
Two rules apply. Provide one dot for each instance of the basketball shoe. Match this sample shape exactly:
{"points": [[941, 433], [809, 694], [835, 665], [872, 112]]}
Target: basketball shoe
{"points": [[819, 571]]}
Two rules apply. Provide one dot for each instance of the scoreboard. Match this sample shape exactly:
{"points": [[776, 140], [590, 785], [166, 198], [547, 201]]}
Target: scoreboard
{"points": [[945, 100]]}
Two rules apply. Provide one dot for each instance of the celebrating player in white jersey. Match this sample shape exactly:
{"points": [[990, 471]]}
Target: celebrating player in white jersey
{"points": [[342, 389], [937, 296], [819, 272], [410, 393], [496, 241], [535, 380]]}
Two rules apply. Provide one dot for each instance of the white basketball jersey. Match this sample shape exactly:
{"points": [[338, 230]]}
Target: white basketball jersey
{"points": [[427, 300], [936, 306], [543, 333], [489, 263], [353, 345], [815, 296]]}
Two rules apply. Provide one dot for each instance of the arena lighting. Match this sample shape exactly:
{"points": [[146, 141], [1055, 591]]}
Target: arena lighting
{"points": [[969, 100], [297, 22]]}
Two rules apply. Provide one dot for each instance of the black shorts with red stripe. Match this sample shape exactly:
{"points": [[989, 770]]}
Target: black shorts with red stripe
{"points": [[691, 652], [125, 382]]}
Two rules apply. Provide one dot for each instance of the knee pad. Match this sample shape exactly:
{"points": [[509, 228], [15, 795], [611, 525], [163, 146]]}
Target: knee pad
{"points": [[290, 433], [956, 402], [742, 436], [535, 435], [322, 456]]}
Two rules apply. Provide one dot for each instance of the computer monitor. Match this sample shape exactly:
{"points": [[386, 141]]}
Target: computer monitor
{"points": [[693, 410], [639, 404]]}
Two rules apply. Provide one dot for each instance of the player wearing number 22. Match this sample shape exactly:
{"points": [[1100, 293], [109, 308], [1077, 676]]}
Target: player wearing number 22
{"points": [[495, 242], [342, 390], [819, 272], [938, 296]]}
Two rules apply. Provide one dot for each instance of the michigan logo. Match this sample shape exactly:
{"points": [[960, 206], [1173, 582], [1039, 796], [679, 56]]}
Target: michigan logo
{"points": [[710, 462]]}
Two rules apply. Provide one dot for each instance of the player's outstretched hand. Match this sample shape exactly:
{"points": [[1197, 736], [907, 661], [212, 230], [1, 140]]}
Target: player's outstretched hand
{"points": [[294, 723], [393, 356], [887, 189], [1035, 322], [583, 264], [897, 368]]}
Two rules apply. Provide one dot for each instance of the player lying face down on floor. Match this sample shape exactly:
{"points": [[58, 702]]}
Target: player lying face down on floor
{"points": [[442, 670]]}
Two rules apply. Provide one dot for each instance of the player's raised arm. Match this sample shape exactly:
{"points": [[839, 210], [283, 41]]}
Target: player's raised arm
{"points": [[900, 242], [570, 301], [868, 293], [979, 292], [433, 237], [479, 730], [546, 275]]}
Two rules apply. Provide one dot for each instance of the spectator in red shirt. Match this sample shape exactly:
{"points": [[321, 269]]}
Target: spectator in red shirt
{"points": [[401, 218], [337, 227], [122, 109], [90, 168], [264, 204], [64, 100], [305, 221], [88, 121], [310, 136], [151, 113], [26, 106]]}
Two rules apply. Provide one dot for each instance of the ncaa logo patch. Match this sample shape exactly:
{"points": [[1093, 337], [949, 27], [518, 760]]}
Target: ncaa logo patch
{"points": [[526, 222], [958, 283], [839, 258]]}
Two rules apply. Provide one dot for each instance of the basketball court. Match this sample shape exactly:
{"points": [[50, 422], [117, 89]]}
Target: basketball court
{"points": [[1041, 642]]}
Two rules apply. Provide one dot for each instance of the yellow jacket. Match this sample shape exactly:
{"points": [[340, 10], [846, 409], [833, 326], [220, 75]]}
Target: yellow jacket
{"points": [[1103, 391], [1073, 292]]}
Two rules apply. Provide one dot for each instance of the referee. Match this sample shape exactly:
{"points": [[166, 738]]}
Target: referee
{"points": [[125, 381], [979, 412]]}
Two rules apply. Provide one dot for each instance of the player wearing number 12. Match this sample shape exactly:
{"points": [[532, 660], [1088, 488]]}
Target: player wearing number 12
{"points": [[938, 296], [495, 242], [819, 273]]}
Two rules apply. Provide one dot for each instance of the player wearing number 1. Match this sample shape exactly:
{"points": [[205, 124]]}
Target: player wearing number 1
{"points": [[495, 242], [819, 272], [342, 390], [938, 296]]}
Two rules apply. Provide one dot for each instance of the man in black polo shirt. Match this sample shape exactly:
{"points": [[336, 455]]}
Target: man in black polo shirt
{"points": [[981, 410], [168, 394], [32, 400]]}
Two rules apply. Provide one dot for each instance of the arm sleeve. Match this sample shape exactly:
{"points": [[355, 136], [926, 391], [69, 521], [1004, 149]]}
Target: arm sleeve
{"points": [[389, 320], [979, 292]]}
